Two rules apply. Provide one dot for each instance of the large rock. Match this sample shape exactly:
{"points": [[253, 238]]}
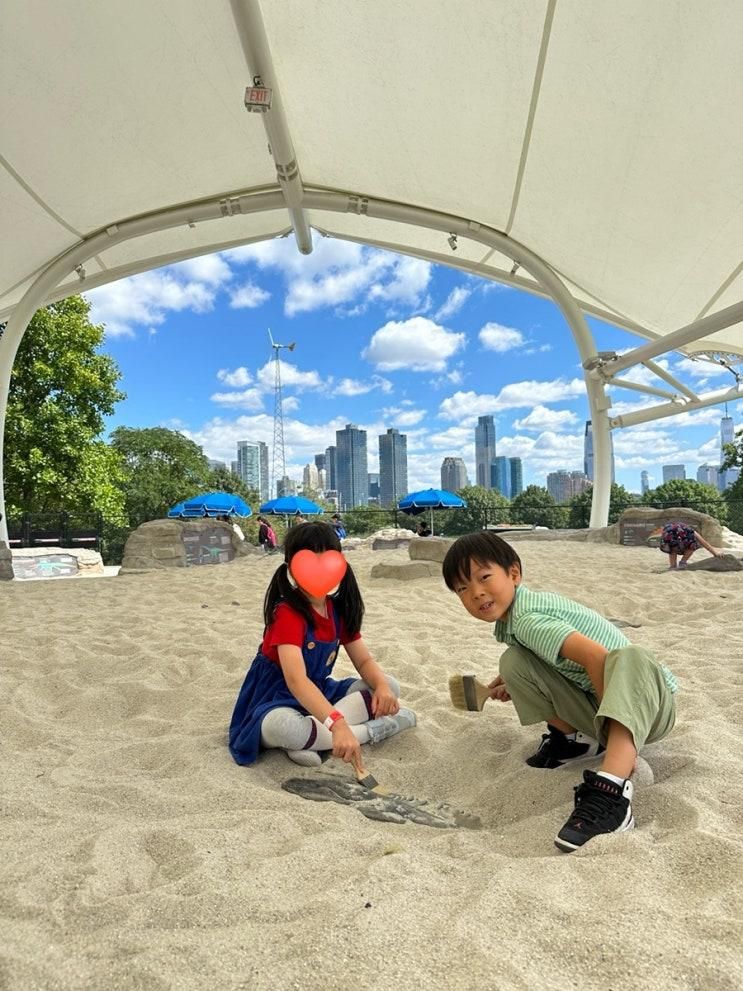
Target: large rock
{"points": [[390, 538], [181, 544], [429, 548], [56, 562], [406, 571], [6, 563], [727, 563], [636, 523]]}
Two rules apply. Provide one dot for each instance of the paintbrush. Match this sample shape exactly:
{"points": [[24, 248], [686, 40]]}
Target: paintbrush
{"points": [[368, 780], [466, 692]]}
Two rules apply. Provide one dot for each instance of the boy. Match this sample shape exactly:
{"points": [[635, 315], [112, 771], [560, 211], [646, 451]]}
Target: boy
{"points": [[568, 666]]}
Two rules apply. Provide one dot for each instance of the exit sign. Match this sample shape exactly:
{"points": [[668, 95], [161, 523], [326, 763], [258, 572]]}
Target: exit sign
{"points": [[258, 99]]}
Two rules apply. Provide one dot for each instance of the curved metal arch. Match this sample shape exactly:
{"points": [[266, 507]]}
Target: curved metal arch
{"points": [[333, 202]]}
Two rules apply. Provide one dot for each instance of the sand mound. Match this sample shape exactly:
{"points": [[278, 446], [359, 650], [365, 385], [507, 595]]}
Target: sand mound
{"points": [[137, 855]]}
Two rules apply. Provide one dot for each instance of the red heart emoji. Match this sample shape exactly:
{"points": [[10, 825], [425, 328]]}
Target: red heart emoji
{"points": [[318, 573]]}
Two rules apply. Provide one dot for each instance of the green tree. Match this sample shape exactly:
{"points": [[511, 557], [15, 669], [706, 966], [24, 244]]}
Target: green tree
{"points": [[734, 452], [580, 505], [536, 506], [61, 389], [693, 495], [162, 467], [484, 507], [363, 520]]}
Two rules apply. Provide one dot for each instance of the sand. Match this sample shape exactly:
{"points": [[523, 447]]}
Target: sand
{"points": [[137, 855]]}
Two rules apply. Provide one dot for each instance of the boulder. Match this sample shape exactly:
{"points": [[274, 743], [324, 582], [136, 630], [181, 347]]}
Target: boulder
{"points": [[6, 563], [56, 562], [429, 548], [390, 538], [406, 571], [182, 544], [637, 523], [727, 563]]}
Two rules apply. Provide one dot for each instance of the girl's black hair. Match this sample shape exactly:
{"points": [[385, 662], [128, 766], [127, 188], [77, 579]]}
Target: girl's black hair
{"points": [[485, 547], [317, 537]]}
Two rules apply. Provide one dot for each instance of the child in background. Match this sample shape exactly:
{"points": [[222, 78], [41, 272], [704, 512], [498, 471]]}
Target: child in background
{"points": [[569, 667], [289, 699], [678, 538]]}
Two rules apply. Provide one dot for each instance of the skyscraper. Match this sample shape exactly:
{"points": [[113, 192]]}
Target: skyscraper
{"points": [[252, 465], [351, 472], [727, 476], [500, 476], [517, 477], [374, 488], [330, 453], [310, 479], [393, 467], [484, 449], [559, 486], [644, 482], [453, 474], [320, 461], [671, 472], [708, 474], [588, 453]]}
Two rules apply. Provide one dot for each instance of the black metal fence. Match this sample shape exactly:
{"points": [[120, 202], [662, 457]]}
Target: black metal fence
{"points": [[55, 530]]}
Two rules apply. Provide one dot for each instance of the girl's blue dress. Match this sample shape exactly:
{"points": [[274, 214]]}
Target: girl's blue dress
{"points": [[264, 689]]}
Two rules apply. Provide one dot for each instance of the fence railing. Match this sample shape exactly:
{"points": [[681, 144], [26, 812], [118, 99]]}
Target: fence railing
{"points": [[55, 530]]}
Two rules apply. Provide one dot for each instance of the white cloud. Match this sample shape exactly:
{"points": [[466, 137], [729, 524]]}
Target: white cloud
{"points": [[453, 303], [417, 345], [145, 299], [290, 376], [403, 417], [212, 269], [355, 387], [251, 399], [467, 406], [496, 337], [238, 379], [248, 297], [339, 274], [542, 418]]}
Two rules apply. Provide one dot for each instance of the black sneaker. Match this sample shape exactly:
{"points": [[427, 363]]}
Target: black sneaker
{"points": [[601, 806], [556, 750]]}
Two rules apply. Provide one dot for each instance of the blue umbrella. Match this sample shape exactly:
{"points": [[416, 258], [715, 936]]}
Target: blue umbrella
{"points": [[416, 503], [212, 504], [290, 506]]}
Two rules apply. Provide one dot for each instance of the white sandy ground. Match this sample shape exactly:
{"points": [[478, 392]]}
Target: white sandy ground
{"points": [[137, 855]]}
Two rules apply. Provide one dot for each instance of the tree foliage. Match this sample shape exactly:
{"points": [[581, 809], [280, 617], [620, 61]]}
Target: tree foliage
{"points": [[734, 452], [580, 506], [162, 467], [61, 388], [484, 507], [536, 506], [693, 495], [224, 480]]}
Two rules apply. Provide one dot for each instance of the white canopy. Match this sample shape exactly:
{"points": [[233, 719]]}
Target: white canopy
{"points": [[597, 145]]}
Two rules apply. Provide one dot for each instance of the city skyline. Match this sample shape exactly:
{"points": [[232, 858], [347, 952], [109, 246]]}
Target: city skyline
{"points": [[382, 341]]}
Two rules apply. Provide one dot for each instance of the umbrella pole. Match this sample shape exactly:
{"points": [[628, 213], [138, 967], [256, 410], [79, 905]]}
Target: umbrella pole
{"points": [[432, 521]]}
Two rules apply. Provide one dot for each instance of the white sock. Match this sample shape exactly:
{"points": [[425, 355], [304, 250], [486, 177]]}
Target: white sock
{"points": [[570, 736], [612, 777]]}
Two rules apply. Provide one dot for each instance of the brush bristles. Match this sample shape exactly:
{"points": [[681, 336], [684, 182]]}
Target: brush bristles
{"points": [[467, 693]]}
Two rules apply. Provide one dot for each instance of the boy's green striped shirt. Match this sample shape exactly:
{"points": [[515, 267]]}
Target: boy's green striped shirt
{"points": [[541, 621]]}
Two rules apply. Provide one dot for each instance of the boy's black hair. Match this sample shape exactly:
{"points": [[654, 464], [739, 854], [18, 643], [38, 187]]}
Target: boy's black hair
{"points": [[317, 537], [484, 547]]}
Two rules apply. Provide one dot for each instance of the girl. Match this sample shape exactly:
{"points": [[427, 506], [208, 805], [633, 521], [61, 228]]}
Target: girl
{"points": [[678, 538], [289, 699]]}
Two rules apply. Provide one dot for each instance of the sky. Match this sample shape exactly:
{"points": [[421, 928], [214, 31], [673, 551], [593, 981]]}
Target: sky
{"points": [[382, 340]]}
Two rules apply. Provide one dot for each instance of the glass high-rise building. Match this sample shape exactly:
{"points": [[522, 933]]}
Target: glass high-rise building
{"points": [[644, 482], [671, 472], [393, 467], [708, 474], [517, 477], [351, 474], [252, 465], [374, 488], [330, 453], [727, 476], [484, 450], [453, 474], [320, 461], [588, 453], [500, 476]]}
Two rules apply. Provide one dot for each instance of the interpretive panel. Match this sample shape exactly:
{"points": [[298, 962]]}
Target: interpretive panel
{"points": [[636, 533], [48, 566], [208, 546]]}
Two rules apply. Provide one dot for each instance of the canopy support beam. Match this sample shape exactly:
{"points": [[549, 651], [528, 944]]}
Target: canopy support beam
{"points": [[671, 409], [649, 389], [252, 31], [667, 377]]}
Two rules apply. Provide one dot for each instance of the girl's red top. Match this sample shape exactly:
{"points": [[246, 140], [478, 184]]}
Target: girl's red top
{"points": [[290, 627]]}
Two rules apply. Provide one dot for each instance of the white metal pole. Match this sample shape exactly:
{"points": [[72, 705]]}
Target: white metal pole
{"points": [[671, 409]]}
